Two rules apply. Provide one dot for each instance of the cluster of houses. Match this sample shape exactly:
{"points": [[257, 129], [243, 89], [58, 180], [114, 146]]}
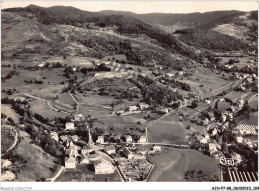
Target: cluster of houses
{"points": [[7, 175]]}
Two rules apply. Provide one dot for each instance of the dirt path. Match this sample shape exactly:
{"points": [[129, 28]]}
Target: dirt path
{"points": [[57, 175]]}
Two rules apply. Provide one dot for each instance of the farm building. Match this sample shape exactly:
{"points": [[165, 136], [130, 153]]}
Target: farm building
{"points": [[78, 117], [128, 139], [75, 138], [157, 148], [132, 108], [70, 126], [143, 106], [105, 167]]}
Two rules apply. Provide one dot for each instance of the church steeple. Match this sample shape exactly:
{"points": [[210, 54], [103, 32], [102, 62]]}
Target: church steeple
{"points": [[90, 141]]}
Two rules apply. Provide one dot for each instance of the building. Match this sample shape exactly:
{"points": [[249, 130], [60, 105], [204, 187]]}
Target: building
{"points": [[239, 139], [132, 108], [84, 159], [54, 135], [5, 163], [110, 149], [78, 117], [7, 175], [157, 148], [143, 106], [86, 149], [100, 140], [128, 139], [127, 153], [204, 141], [75, 138], [142, 139], [70, 163], [105, 167], [70, 126], [164, 111], [64, 138], [212, 148]]}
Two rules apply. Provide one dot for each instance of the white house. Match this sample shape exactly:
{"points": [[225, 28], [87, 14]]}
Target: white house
{"points": [[239, 139], [203, 141], [105, 167], [54, 135], [143, 106], [128, 139], [212, 147], [78, 117], [157, 148], [70, 126], [142, 139], [7, 175], [75, 138], [70, 163], [132, 107], [5, 163], [100, 140]]}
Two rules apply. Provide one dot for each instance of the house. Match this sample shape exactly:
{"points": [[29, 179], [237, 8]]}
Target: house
{"points": [[86, 149], [105, 167], [132, 108], [75, 138], [212, 148], [70, 126], [204, 141], [164, 111], [142, 139], [41, 65], [143, 106], [223, 118], [128, 139], [110, 149], [5, 163], [100, 140], [127, 153], [78, 117], [64, 138], [157, 148], [54, 135], [139, 157], [84, 159], [70, 163], [7, 175]]}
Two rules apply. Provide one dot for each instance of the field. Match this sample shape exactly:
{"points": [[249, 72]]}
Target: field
{"points": [[207, 164], [169, 165], [40, 106], [38, 162], [253, 119], [167, 130], [241, 64]]}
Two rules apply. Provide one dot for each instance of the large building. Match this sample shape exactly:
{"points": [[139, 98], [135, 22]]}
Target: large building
{"points": [[70, 163], [110, 149], [105, 167]]}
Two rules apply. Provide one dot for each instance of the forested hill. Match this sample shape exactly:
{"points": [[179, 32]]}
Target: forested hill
{"points": [[125, 24], [168, 19]]}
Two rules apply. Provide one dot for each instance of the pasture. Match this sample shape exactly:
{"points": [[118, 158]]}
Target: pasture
{"points": [[168, 130]]}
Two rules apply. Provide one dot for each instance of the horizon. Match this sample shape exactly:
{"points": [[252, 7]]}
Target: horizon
{"points": [[184, 7]]}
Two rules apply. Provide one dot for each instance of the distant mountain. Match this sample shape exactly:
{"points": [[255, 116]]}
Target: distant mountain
{"points": [[168, 19]]}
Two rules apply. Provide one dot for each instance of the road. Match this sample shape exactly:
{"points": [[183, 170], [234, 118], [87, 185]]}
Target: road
{"points": [[15, 141], [57, 175], [74, 99]]}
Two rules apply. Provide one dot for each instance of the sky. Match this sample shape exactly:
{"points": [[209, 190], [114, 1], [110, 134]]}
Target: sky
{"points": [[144, 6]]}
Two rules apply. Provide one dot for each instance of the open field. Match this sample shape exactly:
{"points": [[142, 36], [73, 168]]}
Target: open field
{"points": [[208, 165], [40, 106], [167, 130], [38, 162], [253, 119], [241, 64], [169, 165]]}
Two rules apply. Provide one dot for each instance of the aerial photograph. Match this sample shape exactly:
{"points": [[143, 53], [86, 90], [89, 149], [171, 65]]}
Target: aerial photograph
{"points": [[138, 92]]}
